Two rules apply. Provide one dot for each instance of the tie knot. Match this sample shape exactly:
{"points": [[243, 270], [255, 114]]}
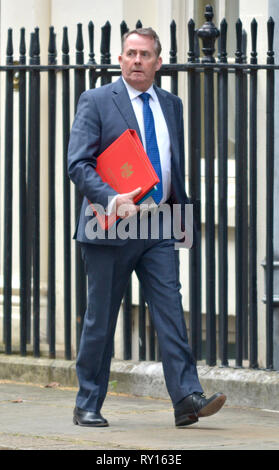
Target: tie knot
{"points": [[145, 97]]}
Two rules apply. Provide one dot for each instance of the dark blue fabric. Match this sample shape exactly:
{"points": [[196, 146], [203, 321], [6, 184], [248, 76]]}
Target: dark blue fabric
{"points": [[103, 114], [156, 264], [152, 149]]}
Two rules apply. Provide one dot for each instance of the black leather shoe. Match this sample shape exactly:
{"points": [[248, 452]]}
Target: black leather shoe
{"points": [[88, 418], [195, 406]]}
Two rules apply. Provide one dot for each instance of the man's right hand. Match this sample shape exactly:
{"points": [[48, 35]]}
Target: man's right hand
{"points": [[125, 206]]}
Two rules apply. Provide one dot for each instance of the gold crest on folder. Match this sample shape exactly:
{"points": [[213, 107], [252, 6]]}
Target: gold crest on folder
{"points": [[126, 170]]}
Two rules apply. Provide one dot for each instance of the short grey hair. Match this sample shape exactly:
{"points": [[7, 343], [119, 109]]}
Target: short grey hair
{"points": [[144, 32]]}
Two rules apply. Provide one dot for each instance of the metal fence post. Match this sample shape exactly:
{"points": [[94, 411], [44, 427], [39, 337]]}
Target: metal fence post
{"points": [[208, 33], [66, 196], [274, 12], [253, 306], [51, 192], [23, 198], [194, 170], [35, 191], [223, 196], [8, 195], [81, 279], [269, 196]]}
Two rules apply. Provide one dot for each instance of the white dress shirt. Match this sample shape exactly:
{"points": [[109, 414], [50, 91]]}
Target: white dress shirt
{"points": [[162, 134], [161, 129]]}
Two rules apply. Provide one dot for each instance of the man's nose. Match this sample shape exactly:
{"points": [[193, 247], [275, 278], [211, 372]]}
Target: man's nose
{"points": [[138, 58]]}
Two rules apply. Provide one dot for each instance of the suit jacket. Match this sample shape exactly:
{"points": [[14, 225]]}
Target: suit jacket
{"points": [[103, 114]]}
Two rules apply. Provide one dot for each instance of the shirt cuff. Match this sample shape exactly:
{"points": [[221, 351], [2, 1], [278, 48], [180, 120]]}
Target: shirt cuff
{"points": [[111, 205]]}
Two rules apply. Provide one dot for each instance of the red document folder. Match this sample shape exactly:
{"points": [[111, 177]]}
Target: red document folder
{"points": [[125, 166]]}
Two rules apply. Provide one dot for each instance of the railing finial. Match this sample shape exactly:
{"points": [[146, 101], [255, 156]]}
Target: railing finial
{"points": [[270, 37], [173, 47], [254, 30], [208, 33], [91, 43], [238, 52], [52, 52], [191, 37], [105, 43], [65, 41], [79, 45], [10, 49], [65, 47], [22, 45], [223, 41]]}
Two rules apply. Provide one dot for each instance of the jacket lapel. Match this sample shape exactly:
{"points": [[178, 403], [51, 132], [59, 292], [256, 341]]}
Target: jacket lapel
{"points": [[122, 101]]}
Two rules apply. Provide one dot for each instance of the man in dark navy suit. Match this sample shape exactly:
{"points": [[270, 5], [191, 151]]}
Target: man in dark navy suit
{"points": [[103, 114]]}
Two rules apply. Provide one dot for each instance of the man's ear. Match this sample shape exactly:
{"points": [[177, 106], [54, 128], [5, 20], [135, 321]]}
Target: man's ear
{"points": [[159, 63]]}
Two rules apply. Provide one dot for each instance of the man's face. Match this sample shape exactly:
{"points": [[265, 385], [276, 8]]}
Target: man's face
{"points": [[139, 61]]}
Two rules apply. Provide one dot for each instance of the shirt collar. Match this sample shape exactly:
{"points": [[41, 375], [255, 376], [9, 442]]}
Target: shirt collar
{"points": [[133, 93]]}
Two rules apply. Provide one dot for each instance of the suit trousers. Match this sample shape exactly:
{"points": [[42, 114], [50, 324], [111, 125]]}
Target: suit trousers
{"points": [[109, 267]]}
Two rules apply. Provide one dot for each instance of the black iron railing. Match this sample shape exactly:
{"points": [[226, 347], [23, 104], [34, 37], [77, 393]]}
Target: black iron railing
{"points": [[246, 75]]}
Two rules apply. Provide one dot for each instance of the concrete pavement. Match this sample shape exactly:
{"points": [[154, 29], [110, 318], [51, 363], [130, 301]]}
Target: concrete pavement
{"points": [[36, 417]]}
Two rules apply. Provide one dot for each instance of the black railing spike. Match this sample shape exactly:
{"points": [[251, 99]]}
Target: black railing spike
{"points": [[91, 43], [244, 47], [238, 53], [105, 43], [22, 44], [123, 28], [103, 39], [52, 46], [191, 36], [32, 45], [79, 41], [10, 49], [79, 45], [65, 41], [270, 37], [91, 35], [223, 41], [173, 43], [138, 24], [254, 29], [36, 42]]}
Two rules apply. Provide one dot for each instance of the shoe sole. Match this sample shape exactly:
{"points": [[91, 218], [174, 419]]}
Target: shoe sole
{"points": [[213, 407], [208, 410], [186, 420], [95, 425]]}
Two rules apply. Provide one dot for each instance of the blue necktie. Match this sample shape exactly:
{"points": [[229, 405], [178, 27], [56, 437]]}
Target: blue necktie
{"points": [[152, 149]]}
